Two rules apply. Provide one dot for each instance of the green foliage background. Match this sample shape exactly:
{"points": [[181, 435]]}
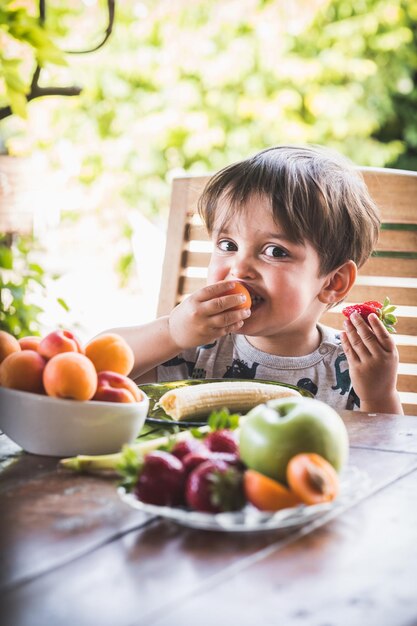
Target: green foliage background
{"points": [[191, 86]]}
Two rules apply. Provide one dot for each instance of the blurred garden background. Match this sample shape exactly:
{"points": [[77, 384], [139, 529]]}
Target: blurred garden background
{"points": [[179, 86]]}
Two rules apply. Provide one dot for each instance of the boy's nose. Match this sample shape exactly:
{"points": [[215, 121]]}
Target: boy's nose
{"points": [[242, 268]]}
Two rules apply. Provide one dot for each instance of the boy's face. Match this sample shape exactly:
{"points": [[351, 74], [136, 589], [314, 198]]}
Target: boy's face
{"points": [[282, 276]]}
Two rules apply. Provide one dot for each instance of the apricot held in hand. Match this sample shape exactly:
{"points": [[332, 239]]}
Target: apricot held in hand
{"points": [[70, 375], [239, 288], [110, 352]]}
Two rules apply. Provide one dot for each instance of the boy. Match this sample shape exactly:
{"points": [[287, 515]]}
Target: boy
{"points": [[292, 224]]}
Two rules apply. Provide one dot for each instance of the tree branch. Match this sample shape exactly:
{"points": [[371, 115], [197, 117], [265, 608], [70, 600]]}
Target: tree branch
{"points": [[38, 92]]}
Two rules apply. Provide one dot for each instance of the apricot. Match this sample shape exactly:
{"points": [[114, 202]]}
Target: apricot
{"points": [[70, 375], [110, 352], [267, 494], [312, 478], [59, 341], [23, 370], [30, 343], [113, 387], [239, 288], [8, 344]]}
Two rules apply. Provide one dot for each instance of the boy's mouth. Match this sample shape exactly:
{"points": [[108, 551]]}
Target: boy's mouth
{"points": [[256, 298]]}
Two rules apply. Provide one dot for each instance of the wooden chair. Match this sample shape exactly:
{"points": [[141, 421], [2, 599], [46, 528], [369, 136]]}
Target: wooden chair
{"points": [[392, 269]]}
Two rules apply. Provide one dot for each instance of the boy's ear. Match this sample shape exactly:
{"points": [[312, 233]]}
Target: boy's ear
{"points": [[338, 283]]}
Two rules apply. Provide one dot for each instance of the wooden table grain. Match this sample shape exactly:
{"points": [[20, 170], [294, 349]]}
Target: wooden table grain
{"points": [[71, 553]]}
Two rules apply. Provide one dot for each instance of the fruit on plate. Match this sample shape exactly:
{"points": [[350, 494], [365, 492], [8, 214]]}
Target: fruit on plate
{"points": [[215, 486], [8, 345], [197, 401], [312, 478], [110, 352], [272, 433], [113, 387], [194, 459], [183, 448], [70, 375], [59, 341], [23, 370], [239, 288], [267, 494], [222, 440], [384, 311], [161, 479]]}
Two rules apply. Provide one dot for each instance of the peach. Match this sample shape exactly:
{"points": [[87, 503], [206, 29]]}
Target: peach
{"points": [[23, 370], [30, 343], [59, 341], [8, 344], [70, 375], [113, 387], [110, 352]]}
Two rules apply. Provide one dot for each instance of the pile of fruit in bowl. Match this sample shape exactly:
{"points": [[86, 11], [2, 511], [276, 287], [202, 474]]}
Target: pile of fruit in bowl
{"points": [[58, 397]]}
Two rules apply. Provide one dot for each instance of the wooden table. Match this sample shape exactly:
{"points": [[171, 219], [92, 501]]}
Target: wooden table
{"points": [[73, 554]]}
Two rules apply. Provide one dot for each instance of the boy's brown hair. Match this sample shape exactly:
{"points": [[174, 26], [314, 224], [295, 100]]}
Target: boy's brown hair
{"points": [[316, 195]]}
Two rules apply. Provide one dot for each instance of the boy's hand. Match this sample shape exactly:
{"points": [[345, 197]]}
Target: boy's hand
{"points": [[205, 316], [373, 362]]}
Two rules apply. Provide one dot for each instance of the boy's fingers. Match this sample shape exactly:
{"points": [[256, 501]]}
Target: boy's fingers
{"points": [[230, 318], [218, 305], [384, 338], [356, 338], [214, 300], [347, 348], [214, 290]]}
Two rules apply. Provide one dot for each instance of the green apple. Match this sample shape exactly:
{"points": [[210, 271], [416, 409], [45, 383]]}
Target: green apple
{"points": [[272, 433]]}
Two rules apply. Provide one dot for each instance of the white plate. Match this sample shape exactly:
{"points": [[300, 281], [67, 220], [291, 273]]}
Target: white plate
{"points": [[353, 483]]}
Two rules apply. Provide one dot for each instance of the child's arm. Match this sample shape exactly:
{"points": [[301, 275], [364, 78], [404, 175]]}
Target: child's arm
{"points": [[199, 319], [373, 363]]}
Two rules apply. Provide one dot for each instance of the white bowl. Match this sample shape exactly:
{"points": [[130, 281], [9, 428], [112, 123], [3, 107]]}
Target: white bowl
{"points": [[55, 427]]}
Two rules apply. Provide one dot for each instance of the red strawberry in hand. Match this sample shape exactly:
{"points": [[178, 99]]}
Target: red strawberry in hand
{"points": [[215, 486], [384, 311]]}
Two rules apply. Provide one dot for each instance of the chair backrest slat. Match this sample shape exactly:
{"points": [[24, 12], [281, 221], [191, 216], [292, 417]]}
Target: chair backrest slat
{"points": [[392, 269]]}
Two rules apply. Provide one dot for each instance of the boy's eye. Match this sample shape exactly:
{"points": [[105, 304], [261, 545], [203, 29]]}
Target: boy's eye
{"points": [[275, 252], [226, 245]]}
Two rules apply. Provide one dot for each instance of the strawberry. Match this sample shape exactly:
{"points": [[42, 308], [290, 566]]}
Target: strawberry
{"points": [[187, 446], [384, 311], [192, 460], [215, 486], [161, 479], [222, 440]]}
